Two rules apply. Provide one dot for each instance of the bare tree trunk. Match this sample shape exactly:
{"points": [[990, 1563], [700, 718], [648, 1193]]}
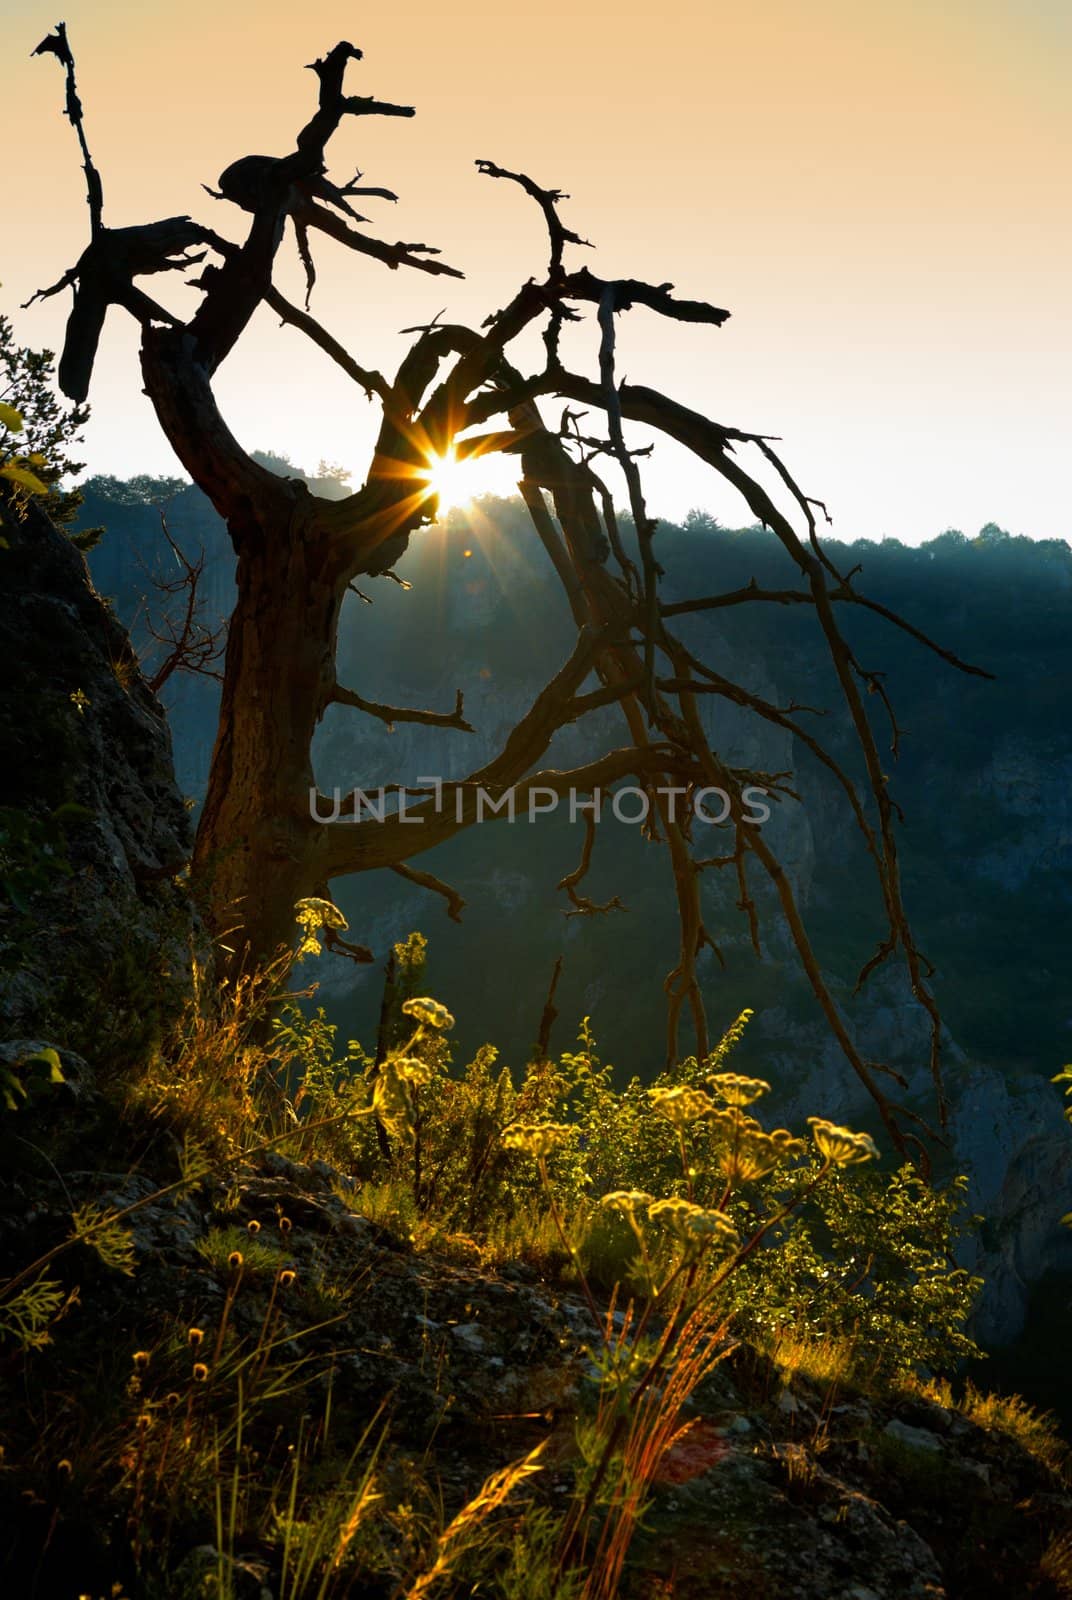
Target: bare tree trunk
{"points": [[257, 844]]}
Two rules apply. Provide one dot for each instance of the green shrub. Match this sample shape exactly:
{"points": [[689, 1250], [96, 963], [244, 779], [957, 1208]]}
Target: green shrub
{"points": [[866, 1257]]}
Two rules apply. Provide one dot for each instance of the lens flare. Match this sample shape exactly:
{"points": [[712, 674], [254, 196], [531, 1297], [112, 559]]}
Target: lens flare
{"points": [[452, 481]]}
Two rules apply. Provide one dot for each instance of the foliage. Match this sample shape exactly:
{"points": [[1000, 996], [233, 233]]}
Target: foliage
{"points": [[27, 1080], [688, 1253], [1035, 1431], [218, 1439], [753, 1225], [673, 1198], [45, 429], [141, 490], [257, 1251], [18, 470], [208, 1080], [33, 850], [101, 1229], [868, 1262], [27, 1315], [642, 1176]]}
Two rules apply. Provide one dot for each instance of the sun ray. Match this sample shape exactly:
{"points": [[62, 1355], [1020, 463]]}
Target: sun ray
{"points": [[454, 481]]}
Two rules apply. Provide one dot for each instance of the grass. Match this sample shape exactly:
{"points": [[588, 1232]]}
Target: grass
{"points": [[825, 1360], [237, 1433], [1036, 1432], [259, 1252], [1056, 1563]]}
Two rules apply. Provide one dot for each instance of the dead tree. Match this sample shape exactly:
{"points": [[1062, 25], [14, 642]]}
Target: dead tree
{"points": [[188, 640], [259, 848]]}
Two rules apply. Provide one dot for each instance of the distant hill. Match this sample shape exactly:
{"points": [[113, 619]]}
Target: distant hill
{"points": [[983, 776]]}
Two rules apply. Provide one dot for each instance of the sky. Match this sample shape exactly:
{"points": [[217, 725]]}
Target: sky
{"points": [[878, 192]]}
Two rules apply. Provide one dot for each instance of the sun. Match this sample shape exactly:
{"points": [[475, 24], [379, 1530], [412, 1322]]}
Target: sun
{"points": [[451, 480]]}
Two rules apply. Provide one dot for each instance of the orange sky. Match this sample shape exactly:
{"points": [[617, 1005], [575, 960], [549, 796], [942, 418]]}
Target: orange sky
{"points": [[878, 192]]}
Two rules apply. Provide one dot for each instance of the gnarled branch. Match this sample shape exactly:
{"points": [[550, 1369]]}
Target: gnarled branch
{"points": [[582, 905], [428, 880], [393, 714]]}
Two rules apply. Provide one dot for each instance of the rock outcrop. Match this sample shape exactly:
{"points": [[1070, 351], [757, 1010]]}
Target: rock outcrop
{"points": [[93, 831], [783, 1486]]}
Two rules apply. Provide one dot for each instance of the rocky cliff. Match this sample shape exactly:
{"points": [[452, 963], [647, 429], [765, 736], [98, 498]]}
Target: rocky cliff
{"points": [[93, 831]]}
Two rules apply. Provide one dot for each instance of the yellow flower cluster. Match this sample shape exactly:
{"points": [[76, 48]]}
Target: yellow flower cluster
{"points": [[535, 1138], [429, 1012], [311, 915], [746, 1150], [391, 1101], [627, 1201], [413, 1070], [317, 913], [737, 1091], [682, 1105], [839, 1145], [694, 1225]]}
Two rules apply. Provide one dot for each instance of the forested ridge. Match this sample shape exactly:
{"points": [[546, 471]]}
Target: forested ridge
{"points": [[983, 771]]}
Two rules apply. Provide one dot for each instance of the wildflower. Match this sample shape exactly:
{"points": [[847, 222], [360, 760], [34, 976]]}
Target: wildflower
{"points": [[535, 1138], [413, 1070], [141, 1359], [234, 1260], [737, 1090], [311, 915], [429, 1012], [64, 1468], [200, 1372], [839, 1145], [286, 1278], [195, 1337], [672, 1211], [285, 1224], [392, 1102], [253, 1227], [746, 1151], [707, 1226], [761, 1154], [316, 913], [143, 1422], [681, 1105], [693, 1224], [627, 1201], [730, 1122]]}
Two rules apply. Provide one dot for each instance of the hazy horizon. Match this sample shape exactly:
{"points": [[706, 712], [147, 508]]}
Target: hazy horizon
{"points": [[872, 194], [483, 505]]}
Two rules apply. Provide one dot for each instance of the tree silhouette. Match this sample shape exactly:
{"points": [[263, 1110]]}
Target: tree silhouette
{"points": [[259, 845]]}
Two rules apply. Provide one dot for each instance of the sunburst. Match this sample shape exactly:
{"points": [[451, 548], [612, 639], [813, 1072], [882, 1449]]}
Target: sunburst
{"points": [[453, 480]]}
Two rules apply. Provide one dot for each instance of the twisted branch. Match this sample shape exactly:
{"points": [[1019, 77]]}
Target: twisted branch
{"points": [[393, 714]]}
